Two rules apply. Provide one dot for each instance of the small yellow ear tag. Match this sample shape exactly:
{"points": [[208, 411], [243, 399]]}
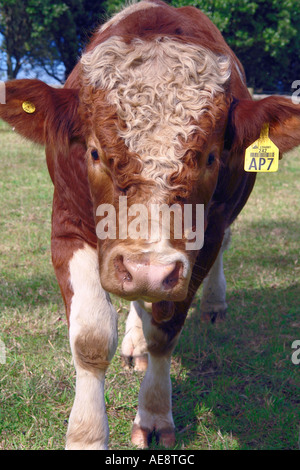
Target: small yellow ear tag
{"points": [[28, 107], [262, 155]]}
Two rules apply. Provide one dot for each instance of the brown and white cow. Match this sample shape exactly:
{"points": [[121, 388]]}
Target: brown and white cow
{"points": [[157, 112]]}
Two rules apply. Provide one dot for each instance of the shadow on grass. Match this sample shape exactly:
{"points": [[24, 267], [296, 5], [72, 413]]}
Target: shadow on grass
{"points": [[239, 382]]}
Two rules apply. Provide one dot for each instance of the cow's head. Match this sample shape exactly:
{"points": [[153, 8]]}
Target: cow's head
{"points": [[154, 116]]}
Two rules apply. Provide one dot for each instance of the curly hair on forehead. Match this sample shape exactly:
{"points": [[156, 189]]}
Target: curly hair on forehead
{"points": [[163, 89], [100, 125], [105, 127]]}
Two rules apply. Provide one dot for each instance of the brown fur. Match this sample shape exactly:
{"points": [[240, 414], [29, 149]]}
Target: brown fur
{"points": [[91, 351], [73, 121], [63, 126]]}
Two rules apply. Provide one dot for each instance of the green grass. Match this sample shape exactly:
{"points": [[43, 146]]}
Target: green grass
{"points": [[234, 384]]}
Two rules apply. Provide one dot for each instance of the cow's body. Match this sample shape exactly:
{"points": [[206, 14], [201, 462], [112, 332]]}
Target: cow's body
{"points": [[157, 110]]}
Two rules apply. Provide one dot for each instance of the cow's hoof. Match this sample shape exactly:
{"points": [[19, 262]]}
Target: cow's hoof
{"points": [[126, 362], [214, 317], [142, 437], [138, 363], [166, 437]]}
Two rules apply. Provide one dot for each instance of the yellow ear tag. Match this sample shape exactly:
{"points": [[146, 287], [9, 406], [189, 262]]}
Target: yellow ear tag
{"points": [[262, 155], [28, 107]]}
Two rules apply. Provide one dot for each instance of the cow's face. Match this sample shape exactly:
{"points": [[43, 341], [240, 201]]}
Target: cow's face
{"points": [[155, 115], [153, 136]]}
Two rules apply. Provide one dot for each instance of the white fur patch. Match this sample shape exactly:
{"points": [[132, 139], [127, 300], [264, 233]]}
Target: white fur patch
{"points": [[155, 401], [91, 311], [214, 285], [91, 308], [158, 87]]}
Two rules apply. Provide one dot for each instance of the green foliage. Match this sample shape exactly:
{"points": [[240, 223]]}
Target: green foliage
{"points": [[15, 26], [70, 32], [46, 33], [25, 26], [113, 6], [265, 35]]}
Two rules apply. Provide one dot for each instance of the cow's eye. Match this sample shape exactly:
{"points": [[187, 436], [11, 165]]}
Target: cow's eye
{"points": [[210, 159], [95, 155]]}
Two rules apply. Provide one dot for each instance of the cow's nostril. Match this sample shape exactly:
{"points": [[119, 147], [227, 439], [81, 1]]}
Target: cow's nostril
{"points": [[172, 279], [121, 272], [137, 277]]}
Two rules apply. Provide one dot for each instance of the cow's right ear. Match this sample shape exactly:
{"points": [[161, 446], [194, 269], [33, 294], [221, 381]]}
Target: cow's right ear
{"points": [[40, 112], [247, 118]]}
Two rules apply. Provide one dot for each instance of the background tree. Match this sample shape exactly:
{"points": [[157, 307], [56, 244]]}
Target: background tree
{"points": [[265, 34], [46, 33], [15, 26], [67, 34]]}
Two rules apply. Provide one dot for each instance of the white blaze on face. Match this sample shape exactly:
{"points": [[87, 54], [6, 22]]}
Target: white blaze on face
{"points": [[158, 87]]}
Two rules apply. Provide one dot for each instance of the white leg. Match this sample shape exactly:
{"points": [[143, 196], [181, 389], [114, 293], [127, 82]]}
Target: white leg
{"points": [[155, 402], [213, 303], [93, 340], [134, 346]]}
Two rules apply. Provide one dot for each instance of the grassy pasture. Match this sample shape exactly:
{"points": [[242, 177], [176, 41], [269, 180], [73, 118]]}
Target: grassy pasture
{"points": [[234, 384]]}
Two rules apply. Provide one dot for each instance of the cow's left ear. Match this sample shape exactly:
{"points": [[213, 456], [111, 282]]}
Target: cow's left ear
{"points": [[40, 112], [248, 117]]}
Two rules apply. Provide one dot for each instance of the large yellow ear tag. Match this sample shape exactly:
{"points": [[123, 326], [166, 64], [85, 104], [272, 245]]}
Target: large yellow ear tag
{"points": [[262, 155], [28, 107]]}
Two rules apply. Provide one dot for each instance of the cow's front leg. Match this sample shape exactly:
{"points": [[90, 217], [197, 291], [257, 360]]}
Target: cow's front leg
{"points": [[134, 346], [93, 339], [155, 402], [213, 303]]}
